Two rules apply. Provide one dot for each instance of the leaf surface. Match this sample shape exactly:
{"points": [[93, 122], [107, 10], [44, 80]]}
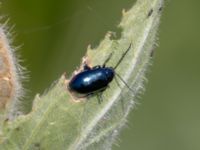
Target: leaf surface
{"points": [[57, 122]]}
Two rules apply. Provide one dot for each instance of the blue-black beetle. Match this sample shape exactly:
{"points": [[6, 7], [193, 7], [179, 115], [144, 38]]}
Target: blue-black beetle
{"points": [[95, 79], [91, 80]]}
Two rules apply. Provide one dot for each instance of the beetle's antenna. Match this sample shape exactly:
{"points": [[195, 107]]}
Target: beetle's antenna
{"points": [[124, 54], [125, 83], [122, 102], [107, 59]]}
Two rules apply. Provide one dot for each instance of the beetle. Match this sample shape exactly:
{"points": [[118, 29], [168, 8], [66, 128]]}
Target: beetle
{"points": [[95, 79]]}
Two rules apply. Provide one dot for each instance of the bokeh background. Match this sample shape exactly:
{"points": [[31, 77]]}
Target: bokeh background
{"points": [[53, 36]]}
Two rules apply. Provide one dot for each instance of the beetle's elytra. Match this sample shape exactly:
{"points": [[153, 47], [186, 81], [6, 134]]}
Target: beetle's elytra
{"points": [[95, 79], [91, 80]]}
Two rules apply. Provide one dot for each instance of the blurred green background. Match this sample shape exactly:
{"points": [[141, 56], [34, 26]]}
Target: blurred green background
{"points": [[53, 36]]}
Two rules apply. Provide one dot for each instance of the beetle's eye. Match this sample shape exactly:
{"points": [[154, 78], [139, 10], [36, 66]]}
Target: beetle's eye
{"points": [[109, 74]]}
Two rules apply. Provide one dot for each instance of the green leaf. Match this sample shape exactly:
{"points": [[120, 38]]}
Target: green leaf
{"points": [[58, 122]]}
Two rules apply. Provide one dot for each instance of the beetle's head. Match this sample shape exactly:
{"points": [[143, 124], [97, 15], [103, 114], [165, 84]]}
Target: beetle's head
{"points": [[109, 73]]}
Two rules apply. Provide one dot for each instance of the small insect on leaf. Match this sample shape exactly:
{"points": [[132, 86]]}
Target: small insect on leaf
{"points": [[95, 80]]}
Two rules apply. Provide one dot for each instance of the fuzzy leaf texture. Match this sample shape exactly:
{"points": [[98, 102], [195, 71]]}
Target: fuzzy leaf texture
{"points": [[57, 122]]}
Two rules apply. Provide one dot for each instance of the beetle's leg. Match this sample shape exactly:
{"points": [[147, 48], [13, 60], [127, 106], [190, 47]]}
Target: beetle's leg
{"points": [[85, 63], [96, 67], [107, 59], [99, 97], [86, 67]]}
